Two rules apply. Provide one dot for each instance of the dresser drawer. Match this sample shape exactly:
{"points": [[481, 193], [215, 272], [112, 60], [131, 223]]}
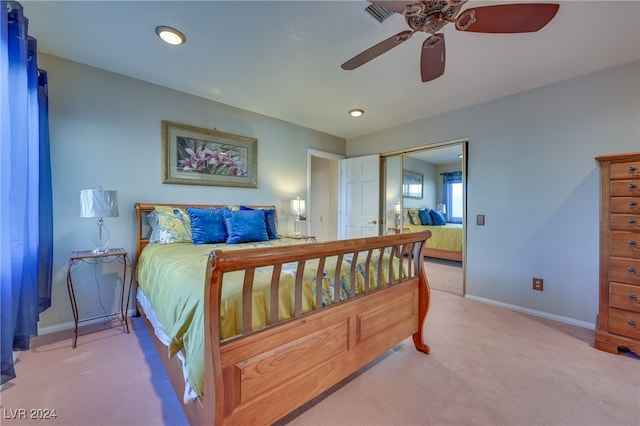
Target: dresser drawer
{"points": [[624, 222], [624, 205], [625, 244], [624, 296], [625, 188], [625, 170], [624, 323], [622, 270]]}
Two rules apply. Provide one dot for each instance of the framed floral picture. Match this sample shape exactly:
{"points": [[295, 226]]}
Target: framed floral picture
{"points": [[412, 183], [198, 156]]}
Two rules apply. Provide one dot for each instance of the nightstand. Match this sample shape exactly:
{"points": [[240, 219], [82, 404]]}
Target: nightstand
{"points": [[309, 238], [87, 257]]}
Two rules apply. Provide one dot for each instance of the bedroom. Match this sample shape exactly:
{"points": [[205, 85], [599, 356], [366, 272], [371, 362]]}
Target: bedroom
{"points": [[531, 173], [528, 187]]}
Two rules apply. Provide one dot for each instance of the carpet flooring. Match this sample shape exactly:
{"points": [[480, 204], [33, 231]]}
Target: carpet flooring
{"points": [[445, 275], [488, 366]]}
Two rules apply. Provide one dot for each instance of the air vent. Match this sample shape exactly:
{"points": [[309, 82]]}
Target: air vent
{"points": [[378, 13]]}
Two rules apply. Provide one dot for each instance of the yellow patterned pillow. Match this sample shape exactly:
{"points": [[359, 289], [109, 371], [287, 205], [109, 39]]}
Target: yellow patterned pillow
{"points": [[174, 226], [414, 216]]}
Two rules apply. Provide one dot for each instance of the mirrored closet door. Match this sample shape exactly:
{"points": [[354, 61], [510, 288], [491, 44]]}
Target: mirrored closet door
{"points": [[425, 188]]}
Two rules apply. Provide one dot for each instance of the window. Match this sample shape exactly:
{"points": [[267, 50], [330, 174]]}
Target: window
{"points": [[452, 196]]}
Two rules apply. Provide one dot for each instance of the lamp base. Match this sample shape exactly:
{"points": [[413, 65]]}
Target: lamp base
{"points": [[296, 227], [101, 238]]}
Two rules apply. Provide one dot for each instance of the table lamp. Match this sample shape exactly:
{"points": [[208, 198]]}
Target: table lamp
{"points": [[298, 210], [99, 203]]}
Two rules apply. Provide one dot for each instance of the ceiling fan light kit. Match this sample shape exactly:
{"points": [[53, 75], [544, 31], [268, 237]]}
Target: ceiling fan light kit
{"points": [[430, 16]]}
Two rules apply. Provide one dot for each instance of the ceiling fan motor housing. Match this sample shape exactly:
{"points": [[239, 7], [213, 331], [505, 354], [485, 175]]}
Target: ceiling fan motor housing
{"points": [[430, 16]]}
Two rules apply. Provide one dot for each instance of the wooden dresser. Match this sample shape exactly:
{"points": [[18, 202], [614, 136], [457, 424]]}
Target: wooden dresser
{"points": [[618, 325]]}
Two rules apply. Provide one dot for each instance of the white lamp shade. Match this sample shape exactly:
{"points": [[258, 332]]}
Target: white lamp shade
{"points": [[298, 207], [98, 203]]}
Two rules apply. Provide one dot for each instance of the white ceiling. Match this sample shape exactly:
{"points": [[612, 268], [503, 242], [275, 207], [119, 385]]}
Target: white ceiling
{"points": [[282, 58]]}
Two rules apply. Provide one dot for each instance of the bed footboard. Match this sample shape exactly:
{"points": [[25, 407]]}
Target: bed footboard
{"points": [[262, 375]]}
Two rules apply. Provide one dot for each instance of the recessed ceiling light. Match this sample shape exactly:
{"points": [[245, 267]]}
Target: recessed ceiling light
{"points": [[170, 35], [356, 112]]}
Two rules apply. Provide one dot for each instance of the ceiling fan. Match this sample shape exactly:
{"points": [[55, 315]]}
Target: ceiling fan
{"points": [[431, 16]]}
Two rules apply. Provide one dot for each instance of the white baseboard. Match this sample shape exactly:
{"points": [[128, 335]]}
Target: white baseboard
{"points": [[534, 312], [566, 320], [70, 325]]}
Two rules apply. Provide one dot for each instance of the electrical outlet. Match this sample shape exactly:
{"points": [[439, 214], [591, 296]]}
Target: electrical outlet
{"points": [[538, 284]]}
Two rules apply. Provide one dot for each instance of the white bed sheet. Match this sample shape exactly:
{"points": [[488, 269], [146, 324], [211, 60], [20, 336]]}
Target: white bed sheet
{"points": [[147, 310]]}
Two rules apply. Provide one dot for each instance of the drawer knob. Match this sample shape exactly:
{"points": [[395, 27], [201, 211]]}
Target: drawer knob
{"points": [[631, 269], [632, 242], [631, 220], [632, 296], [632, 169], [632, 186], [633, 203], [631, 323]]}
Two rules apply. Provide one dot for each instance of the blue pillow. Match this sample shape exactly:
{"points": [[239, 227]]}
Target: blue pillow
{"points": [[425, 217], [438, 218], [207, 225], [244, 226], [270, 218]]}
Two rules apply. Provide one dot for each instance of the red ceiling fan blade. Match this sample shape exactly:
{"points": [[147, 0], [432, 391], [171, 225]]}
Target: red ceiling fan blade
{"points": [[377, 50], [507, 18], [432, 59]]}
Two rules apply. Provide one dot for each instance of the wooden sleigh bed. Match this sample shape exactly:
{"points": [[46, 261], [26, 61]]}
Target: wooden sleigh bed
{"points": [[263, 372]]}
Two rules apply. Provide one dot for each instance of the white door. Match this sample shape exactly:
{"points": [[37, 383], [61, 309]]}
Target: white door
{"points": [[359, 197]]}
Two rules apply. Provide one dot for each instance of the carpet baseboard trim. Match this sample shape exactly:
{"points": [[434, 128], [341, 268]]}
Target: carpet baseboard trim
{"points": [[70, 325], [534, 312]]}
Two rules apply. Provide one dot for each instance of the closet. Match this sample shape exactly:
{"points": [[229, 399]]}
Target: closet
{"points": [[419, 181]]}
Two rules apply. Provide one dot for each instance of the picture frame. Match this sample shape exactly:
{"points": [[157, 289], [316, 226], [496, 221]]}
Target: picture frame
{"points": [[412, 184], [198, 156]]}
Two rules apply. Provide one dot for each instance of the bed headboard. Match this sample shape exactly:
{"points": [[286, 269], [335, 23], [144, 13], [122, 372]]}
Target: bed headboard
{"points": [[143, 229]]}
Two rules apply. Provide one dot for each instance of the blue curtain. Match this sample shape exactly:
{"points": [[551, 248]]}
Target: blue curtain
{"points": [[448, 179], [26, 214]]}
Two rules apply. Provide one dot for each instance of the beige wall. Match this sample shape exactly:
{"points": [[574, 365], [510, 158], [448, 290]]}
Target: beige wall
{"points": [[105, 131]]}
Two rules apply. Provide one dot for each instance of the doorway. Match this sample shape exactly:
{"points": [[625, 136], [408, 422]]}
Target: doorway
{"points": [[323, 173]]}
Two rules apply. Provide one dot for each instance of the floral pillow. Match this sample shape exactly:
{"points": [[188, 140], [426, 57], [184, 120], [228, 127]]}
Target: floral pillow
{"points": [[173, 225], [414, 217]]}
